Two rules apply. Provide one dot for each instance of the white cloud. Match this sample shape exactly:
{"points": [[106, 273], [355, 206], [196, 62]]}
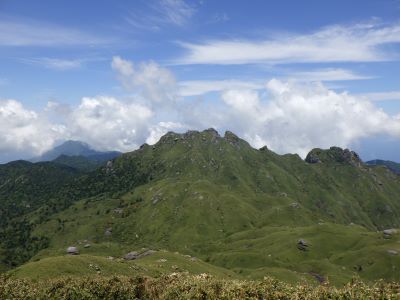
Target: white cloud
{"points": [[199, 87], [157, 131], [161, 13], [357, 43], [156, 84], [383, 96], [25, 32], [176, 12], [329, 74], [107, 123], [287, 116], [299, 117], [25, 130], [55, 63]]}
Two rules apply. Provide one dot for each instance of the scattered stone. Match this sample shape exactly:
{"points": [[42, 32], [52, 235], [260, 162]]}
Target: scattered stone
{"points": [[72, 250], [358, 268], [387, 233], [131, 255], [295, 205], [320, 278], [146, 253], [119, 210], [136, 255], [108, 231], [302, 245], [156, 198], [392, 252], [86, 246], [162, 260]]}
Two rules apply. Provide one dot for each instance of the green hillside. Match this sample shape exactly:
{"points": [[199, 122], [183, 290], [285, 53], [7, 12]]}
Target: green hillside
{"points": [[78, 162], [391, 165], [237, 209]]}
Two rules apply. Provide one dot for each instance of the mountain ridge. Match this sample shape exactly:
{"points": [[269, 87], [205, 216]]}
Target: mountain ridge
{"points": [[221, 200]]}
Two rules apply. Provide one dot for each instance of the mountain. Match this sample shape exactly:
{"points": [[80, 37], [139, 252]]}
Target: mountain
{"points": [[215, 198], [79, 162], [76, 148], [391, 165], [27, 187]]}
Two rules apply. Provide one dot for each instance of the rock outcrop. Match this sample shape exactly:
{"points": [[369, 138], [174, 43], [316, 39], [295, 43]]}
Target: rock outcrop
{"points": [[72, 250]]}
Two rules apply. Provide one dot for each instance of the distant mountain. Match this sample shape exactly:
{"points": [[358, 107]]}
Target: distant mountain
{"points": [[76, 148], [391, 165]]}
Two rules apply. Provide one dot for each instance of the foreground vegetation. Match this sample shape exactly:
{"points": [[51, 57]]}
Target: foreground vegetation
{"points": [[179, 286]]}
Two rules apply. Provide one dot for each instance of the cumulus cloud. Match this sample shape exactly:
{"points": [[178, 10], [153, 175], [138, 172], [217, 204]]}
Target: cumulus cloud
{"points": [[362, 43], [287, 116], [157, 131], [107, 123], [297, 117], [24, 130], [154, 83]]}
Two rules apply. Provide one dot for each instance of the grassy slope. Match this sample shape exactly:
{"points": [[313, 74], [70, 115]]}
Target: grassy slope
{"points": [[161, 262], [391, 165], [238, 208]]}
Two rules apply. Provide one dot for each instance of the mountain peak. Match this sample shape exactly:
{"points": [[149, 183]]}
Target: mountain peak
{"points": [[71, 148], [171, 136], [333, 154]]}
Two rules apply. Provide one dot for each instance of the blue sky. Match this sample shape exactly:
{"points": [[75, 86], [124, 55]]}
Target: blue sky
{"points": [[290, 74]]}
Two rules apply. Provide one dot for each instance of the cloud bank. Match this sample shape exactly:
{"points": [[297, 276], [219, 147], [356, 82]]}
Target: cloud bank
{"points": [[287, 116]]}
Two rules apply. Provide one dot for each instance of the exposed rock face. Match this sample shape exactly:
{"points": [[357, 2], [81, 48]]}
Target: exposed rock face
{"points": [[312, 158], [109, 167], [231, 138], [213, 132], [334, 154], [72, 250]]}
